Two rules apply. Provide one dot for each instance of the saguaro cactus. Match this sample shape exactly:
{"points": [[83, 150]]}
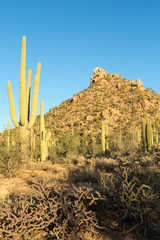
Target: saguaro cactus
{"points": [[107, 137], [144, 136], [103, 136], [149, 136], [42, 133], [27, 119]]}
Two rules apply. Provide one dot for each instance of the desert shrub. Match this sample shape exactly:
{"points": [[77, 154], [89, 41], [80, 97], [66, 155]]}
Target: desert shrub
{"points": [[122, 145], [76, 144], [74, 159], [86, 173], [10, 160], [130, 199], [66, 143], [105, 164], [86, 145], [60, 212]]}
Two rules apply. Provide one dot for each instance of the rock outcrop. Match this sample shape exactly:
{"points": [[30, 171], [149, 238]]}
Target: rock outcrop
{"points": [[103, 78]]}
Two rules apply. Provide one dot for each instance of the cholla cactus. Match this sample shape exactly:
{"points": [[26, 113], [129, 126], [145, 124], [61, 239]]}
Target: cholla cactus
{"points": [[27, 119]]}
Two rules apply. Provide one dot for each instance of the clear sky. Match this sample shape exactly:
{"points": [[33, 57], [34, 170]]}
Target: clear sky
{"points": [[72, 37]]}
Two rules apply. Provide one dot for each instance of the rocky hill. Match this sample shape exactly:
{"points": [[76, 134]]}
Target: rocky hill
{"points": [[120, 102]]}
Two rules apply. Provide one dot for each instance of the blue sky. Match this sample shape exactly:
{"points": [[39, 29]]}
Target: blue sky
{"points": [[72, 37]]}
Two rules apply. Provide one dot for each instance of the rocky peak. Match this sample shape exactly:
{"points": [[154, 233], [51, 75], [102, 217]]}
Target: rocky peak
{"points": [[104, 78], [99, 75]]}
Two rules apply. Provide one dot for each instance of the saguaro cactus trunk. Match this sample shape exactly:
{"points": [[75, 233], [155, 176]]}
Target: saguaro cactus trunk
{"points": [[144, 136], [103, 134], [42, 134], [27, 119], [149, 136]]}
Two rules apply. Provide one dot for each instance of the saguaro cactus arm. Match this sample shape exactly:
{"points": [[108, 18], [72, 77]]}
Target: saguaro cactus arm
{"points": [[35, 97], [28, 90], [11, 105], [22, 99]]}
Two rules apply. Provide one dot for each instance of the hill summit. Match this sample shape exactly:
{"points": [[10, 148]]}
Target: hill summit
{"points": [[109, 97]]}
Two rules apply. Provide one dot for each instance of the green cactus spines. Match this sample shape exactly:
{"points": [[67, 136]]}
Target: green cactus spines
{"points": [[42, 134], [27, 120]]}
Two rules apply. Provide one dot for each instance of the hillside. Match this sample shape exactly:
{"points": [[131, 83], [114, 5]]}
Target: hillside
{"points": [[121, 103]]}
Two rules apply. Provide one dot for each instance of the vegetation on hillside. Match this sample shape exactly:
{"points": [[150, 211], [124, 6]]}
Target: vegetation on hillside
{"points": [[89, 168]]}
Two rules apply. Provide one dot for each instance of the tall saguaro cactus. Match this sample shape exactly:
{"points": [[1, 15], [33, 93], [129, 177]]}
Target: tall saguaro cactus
{"points": [[27, 119], [149, 136], [42, 134], [144, 136], [103, 136]]}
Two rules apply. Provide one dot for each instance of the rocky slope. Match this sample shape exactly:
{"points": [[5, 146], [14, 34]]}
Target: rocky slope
{"points": [[121, 103]]}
